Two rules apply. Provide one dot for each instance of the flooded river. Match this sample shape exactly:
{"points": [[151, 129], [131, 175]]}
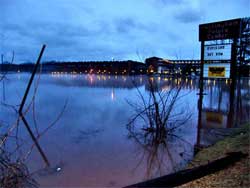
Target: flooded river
{"points": [[81, 124]]}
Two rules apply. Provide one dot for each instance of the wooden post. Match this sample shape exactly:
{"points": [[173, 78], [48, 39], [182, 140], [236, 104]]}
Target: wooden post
{"points": [[20, 111], [233, 73], [201, 85]]}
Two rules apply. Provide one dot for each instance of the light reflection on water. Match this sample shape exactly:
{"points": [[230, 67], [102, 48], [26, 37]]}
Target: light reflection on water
{"points": [[91, 145]]}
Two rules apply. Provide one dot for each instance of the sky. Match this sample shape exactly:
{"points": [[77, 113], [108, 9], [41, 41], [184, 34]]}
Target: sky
{"points": [[85, 30]]}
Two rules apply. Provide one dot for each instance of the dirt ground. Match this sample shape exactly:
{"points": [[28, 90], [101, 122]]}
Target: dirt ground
{"points": [[236, 175]]}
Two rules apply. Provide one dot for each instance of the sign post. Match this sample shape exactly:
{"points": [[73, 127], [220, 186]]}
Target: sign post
{"points": [[218, 60]]}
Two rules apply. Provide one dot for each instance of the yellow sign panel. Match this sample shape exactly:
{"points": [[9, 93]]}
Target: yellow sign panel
{"points": [[216, 71]]}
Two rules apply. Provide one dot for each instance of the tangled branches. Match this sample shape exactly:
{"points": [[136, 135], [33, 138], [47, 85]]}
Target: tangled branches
{"points": [[14, 174], [157, 117], [157, 114]]}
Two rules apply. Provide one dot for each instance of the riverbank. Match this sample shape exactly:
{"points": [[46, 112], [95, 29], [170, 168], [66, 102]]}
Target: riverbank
{"points": [[237, 175]]}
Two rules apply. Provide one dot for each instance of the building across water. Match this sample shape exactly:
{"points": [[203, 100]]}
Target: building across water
{"points": [[152, 65], [156, 65]]}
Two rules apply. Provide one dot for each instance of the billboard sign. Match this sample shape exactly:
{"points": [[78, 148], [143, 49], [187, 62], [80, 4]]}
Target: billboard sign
{"points": [[218, 52], [216, 70], [219, 30]]}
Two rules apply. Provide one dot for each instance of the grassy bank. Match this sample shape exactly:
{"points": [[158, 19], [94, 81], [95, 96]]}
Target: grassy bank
{"points": [[238, 174]]}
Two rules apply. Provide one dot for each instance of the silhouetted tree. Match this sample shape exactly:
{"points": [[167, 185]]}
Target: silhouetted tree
{"points": [[244, 43]]}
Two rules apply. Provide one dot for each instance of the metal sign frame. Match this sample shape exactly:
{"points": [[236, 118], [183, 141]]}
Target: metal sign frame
{"points": [[228, 29]]}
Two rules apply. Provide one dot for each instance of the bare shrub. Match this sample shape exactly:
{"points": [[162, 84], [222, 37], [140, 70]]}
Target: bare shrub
{"points": [[154, 125]]}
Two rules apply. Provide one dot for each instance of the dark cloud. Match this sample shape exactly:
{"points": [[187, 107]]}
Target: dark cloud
{"points": [[188, 16], [127, 25], [170, 2], [58, 34], [64, 41]]}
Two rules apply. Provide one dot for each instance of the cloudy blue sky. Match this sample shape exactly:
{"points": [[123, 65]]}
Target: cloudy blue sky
{"points": [[104, 29]]}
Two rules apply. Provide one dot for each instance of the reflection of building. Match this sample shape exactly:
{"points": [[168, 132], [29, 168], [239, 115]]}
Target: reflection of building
{"points": [[161, 83], [108, 81], [158, 65], [98, 81]]}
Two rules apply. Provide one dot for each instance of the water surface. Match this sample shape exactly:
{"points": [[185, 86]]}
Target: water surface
{"points": [[90, 144]]}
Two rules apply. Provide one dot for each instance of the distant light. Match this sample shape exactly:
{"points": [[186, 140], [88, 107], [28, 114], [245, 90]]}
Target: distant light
{"points": [[112, 95], [58, 169]]}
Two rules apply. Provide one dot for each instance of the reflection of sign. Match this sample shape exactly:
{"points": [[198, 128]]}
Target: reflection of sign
{"points": [[218, 52], [216, 71], [219, 30], [214, 117]]}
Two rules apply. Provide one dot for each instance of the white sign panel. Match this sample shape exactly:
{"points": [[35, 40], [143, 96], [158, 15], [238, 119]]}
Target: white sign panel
{"points": [[217, 52]]}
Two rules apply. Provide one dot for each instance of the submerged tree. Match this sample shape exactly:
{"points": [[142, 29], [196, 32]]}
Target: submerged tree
{"points": [[155, 123]]}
